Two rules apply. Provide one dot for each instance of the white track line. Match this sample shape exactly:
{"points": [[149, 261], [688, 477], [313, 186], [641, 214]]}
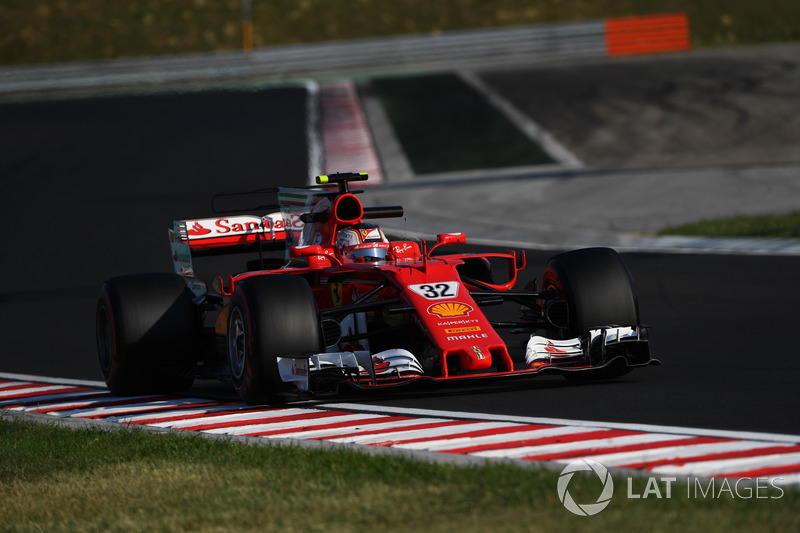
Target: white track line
{"points": [[265, 425], [648, 428], [526, 124], [729, 466], [50, 379]]}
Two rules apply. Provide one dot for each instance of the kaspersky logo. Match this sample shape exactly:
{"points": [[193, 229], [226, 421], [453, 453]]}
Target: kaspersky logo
{"points": [[585, 509]]}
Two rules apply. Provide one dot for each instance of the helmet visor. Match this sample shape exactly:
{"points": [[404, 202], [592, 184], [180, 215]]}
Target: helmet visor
{"points": [[368, 251]]}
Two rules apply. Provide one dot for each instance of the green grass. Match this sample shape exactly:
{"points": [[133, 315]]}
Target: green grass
{"points": [[785, 226], [36, 31], [59, 479], [444, 125]]}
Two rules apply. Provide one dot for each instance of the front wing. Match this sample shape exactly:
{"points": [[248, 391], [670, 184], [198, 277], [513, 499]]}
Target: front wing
{"points": [[600, 353]]}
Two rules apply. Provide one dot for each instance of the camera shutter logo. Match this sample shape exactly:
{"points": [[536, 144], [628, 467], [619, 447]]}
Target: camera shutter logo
{"points": [[587, 509]]}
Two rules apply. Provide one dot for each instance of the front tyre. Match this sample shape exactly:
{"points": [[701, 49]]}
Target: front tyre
{"points": [[597, 287], [598, 290], [147, 329], [270, 316]]}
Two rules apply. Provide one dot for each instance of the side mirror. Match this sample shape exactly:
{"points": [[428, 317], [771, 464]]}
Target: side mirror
{"points": [[450, 238], [317, 256], [306, 251]]}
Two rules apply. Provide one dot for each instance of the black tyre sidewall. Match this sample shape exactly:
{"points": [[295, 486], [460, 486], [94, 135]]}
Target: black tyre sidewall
{"points": [[152, 326], [597, 287], [280, 319]]}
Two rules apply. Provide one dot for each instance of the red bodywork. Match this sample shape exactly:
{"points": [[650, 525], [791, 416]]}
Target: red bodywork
{"points": [[446, 312]]}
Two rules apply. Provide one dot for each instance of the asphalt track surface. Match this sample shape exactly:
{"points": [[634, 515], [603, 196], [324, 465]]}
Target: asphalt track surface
{"points": [[714, 107], [90, 186]]}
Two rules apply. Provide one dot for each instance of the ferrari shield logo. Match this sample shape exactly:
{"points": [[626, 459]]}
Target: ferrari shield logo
{"points": [[336, 294]]}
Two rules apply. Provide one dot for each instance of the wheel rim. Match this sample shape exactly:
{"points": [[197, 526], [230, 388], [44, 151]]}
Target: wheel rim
{"points": [[237, 343], [105, 340]]}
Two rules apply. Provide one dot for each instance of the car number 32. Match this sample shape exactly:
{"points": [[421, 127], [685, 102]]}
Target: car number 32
{"points": [[436, 291]]}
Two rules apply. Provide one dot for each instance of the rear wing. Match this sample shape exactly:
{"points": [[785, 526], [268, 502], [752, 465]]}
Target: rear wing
{"points": [[223, 235], [207, 236], [233, 232]]}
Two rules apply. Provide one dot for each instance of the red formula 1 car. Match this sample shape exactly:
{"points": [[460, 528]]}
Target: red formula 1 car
{"points": [[345, 308]]}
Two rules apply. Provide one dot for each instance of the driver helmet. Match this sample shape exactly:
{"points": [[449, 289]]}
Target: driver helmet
{"points": [[362, 242]]}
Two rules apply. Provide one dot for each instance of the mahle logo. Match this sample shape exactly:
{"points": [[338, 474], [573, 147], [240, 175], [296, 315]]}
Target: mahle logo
{"points": [[585, 509]]}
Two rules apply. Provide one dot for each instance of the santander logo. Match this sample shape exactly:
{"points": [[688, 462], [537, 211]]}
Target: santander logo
{"points": [[198, 230], [215, 227]]}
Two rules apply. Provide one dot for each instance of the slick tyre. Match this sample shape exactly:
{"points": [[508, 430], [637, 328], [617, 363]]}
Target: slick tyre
{"points": [[147, 329], [599, 292], [597, 287], [269, 317]]}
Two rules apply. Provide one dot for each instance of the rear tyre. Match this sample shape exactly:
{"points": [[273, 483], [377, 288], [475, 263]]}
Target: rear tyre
{"points": [[270, 316], [147, 330]]}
